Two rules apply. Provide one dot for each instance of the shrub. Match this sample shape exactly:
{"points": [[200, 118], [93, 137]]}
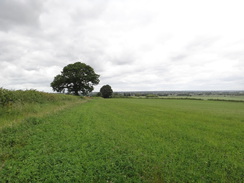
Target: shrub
{"points": [[8, 97]]}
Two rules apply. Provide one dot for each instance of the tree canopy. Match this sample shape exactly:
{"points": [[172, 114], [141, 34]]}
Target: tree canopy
{"points": [[106, 91], [77, 78]]}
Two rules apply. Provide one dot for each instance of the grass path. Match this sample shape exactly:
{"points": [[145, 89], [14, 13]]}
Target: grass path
{"points": [[128, 140]]}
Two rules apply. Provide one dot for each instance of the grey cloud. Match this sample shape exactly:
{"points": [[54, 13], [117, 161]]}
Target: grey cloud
{"points": [[120, 39], [32, 81], [124, 73], [17, 77], [19, 13], [7, 46], [178, 57], [92, 10], [219, 84], [201, 43], [235, 55], [125, 58], [233, 78]]}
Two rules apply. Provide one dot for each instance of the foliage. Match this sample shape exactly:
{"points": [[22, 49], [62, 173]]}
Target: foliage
{"points": [[106, 91], [8, 97], [152, 96], [76, 78], [141, 141], [117, 95], [98, 94], [19, 105]]}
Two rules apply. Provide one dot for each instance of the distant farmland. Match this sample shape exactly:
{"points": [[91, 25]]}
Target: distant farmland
{"points": [[128, 140], [200, 95]]}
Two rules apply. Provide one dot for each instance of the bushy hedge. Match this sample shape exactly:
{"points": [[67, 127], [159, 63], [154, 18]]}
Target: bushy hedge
{"points": [[8, 97]]}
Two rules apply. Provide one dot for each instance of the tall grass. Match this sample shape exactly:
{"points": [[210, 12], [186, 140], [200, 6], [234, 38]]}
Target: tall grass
{"points": [[16, 105], [9, 97]]}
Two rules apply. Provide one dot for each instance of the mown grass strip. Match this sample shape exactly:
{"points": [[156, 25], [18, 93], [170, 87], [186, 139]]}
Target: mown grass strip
{"points": [[128, 140]]}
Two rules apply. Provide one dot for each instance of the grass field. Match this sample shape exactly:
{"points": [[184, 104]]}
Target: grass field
{"points": [[128, 140], [231, 98]]}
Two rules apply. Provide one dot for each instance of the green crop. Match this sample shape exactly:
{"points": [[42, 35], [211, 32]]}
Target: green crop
{"points": [[128, 140]]}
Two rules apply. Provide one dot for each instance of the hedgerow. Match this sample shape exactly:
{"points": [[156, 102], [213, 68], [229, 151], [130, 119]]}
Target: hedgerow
{"points": [[10, 97]]}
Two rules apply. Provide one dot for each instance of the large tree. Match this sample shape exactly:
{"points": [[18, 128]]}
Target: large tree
{"points": [[76, 78], [106, 91]]}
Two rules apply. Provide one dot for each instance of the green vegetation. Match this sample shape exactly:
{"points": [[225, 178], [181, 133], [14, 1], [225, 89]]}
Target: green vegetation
{"points": [[8, 97], [207, 97], [77, 78], [106, 91], [193, 97], [128, 140], [237, 96], [15, 106]]}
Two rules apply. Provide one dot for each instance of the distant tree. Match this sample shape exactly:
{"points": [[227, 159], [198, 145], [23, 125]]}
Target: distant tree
{"points": [[76, 78], [106, 91], [116, 95], [99, 94]]}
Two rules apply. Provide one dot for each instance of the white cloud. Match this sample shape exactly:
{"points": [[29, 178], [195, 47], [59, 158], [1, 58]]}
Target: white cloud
{"points": [[132, 44]]}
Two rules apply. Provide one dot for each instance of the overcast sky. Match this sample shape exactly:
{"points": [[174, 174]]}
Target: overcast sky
{"points": [[132, 44]]}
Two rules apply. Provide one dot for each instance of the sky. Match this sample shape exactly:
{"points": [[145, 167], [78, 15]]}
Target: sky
{"points": [[134, 45]]}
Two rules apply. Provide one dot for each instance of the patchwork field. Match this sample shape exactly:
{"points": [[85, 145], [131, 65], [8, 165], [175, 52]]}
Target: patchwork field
{"points": [[128, 140]]}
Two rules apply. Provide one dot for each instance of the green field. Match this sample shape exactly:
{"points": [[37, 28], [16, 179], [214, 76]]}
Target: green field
{"points": [[231, 98], [128, 140]]}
